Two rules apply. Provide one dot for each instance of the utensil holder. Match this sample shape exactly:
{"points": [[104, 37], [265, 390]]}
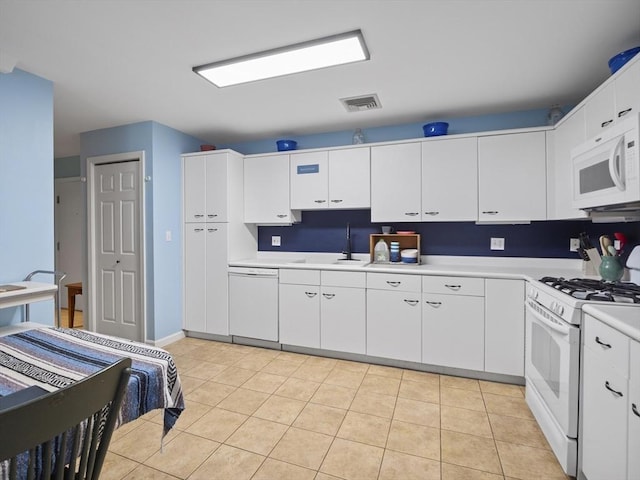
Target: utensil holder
{"points": [[610, 268]]}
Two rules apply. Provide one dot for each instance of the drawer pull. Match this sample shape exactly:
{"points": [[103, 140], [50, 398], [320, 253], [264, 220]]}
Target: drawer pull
{"points": [[434, 304], [413, 303], [281, 215], [328, 296], [198, 229], [310, 294], [453, 287], [319, 201], [210, 230], [606, 123], [212, 215], [432, 213], [624, 112], [336, 201], [490, 212], [634, 409], [393, 284], [600, 342], [411, 214], [199, 215], [616, 392]]}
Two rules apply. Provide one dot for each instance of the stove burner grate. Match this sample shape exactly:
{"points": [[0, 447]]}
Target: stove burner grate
{"points": [[595, 290]]}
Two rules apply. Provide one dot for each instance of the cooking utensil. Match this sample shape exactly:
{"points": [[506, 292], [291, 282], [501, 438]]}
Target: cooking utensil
{"points": [[622, 238], [604, 245], [612, 250]]}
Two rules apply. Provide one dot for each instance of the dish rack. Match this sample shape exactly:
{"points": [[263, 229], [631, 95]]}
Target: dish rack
{"points": [[406, 240]]}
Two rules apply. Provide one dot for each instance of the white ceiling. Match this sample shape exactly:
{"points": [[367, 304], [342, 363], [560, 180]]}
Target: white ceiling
{"points": [[118, 62]]}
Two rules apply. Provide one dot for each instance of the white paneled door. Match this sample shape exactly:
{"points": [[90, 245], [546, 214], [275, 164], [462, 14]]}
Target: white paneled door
{"points": [[117, 256]]}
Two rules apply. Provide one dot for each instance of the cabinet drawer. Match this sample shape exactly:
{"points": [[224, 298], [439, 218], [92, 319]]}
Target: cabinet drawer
{"points": [[300, 277], [459, 285], [343, 279], [390, 281], [610, 346]]}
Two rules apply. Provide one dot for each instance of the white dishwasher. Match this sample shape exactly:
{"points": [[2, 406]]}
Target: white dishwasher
{"points": [[253, 302]]}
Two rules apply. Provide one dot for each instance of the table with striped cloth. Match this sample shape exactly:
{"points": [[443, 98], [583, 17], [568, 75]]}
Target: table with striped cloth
{"points": [[52, 358]]}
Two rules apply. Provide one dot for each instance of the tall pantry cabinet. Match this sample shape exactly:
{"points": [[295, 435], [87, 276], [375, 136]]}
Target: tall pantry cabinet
{"points": [[214, 234]]}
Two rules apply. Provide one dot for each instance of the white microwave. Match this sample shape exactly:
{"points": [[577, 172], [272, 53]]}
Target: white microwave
{"points": [[605, 168]]}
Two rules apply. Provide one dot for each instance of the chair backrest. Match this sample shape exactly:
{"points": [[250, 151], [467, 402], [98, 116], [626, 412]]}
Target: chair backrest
{"points": [[66, 432]]}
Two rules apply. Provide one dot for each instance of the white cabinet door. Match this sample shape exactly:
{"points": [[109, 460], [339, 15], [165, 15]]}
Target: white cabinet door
{"points": [[300, 315], [453, 331], [600, 110], [633, 410], [343, 319], [266, 190], [504, 326], [394, 325], [194, 187], [350, 178], [450, 180], [217, 166], [195, 277], [512, 177], [604, 419], [569, 134], [396, 183], [217, 292], [309, 174], [628, 92]]}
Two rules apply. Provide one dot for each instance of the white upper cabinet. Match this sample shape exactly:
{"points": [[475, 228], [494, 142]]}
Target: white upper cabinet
{"points": [[330, 179], [450, 180], [512, 177], [615, 100], [205, 187], [266, 190], [396, 183], [350, 178], [567, 135]]}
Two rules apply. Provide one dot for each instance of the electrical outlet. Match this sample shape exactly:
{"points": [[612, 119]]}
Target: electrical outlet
{"points": [[574, 244], [167, 236], [275, 240], [497, 243]]}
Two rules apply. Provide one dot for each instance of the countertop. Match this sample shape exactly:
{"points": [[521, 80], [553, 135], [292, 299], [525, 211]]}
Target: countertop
{"points": [[488, 267], [624, 318]]}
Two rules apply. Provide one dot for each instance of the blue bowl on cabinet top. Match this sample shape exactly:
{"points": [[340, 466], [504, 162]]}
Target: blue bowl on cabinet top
{"points": [[435, 128], [284, 145], [618, 61]]}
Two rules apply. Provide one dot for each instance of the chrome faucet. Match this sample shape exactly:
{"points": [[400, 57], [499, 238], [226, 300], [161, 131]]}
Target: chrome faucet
{"points": [[347, 251]]}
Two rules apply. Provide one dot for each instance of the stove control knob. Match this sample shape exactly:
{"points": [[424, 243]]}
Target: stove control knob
{"points": [[560, 310], [554, 306]]}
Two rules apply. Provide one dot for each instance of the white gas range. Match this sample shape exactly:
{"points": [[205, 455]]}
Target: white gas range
{"points": [[552, 366]]}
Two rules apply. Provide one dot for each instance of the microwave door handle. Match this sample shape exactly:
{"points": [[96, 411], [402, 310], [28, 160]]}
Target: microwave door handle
{"points": [[614, 166]]}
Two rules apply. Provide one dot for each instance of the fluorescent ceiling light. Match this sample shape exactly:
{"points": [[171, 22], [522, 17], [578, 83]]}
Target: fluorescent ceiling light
{"points": [[324, 52]]}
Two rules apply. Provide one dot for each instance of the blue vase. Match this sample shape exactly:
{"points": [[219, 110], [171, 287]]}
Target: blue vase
{"points": [[610, 268]]}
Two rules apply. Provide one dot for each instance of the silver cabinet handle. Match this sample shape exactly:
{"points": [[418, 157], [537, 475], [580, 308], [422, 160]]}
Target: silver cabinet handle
{"points": [[634, 409], [411, 214], [622, 113], [608, 387], [413, 303], [212, 230], [198, 229], [336, 201], [212, 215], [606, 123], [453, 287], [310, 294], [199, 215], [600, 342], [328, 296], [432, 213], [433, 304], [319, 201], [281, 215], [490, 212], [394, 284]]}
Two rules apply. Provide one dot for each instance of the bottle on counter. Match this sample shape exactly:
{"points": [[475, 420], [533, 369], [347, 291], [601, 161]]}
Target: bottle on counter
{"points": [[394, 252], [381, 252]]}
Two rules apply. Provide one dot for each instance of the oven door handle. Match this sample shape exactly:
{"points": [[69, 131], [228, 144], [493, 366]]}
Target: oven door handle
{"points": [[558, 328]]}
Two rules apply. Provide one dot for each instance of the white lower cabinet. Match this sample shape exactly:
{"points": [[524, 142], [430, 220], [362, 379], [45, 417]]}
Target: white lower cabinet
{"points": [[604, 407], [504, 326], [633, 410], [343, 319], [394, 320], [453, 331], [299, 301]]}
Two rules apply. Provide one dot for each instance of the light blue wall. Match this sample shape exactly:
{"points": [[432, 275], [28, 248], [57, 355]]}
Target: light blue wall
{"points": [[480, 123], [162, 146], [26, 185], [66, 167]]}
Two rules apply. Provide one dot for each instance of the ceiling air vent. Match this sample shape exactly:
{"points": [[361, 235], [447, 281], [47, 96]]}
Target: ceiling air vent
{"points": [[359, 104]]}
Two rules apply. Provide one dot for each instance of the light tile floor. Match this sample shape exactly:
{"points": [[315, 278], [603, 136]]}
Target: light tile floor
{"points": [[262, 414]]}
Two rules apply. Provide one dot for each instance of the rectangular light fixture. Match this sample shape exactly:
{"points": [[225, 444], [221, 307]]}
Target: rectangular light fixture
{"points": [[301, 57]]}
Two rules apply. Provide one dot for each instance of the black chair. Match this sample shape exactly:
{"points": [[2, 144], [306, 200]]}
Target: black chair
{"points": [[66, 433]]}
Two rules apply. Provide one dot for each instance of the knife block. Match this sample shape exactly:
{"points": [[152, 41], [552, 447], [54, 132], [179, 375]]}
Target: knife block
{"points": [[592, 266]]}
